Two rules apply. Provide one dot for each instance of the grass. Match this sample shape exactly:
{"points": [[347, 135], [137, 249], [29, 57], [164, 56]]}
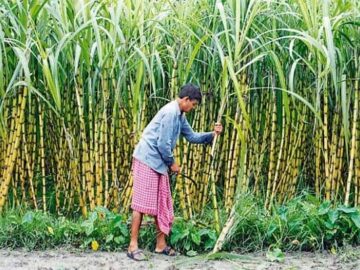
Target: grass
{"points": [[303, 224]]}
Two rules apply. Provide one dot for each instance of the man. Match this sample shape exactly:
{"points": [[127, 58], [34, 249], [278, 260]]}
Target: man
{"points": [[153, 158]]}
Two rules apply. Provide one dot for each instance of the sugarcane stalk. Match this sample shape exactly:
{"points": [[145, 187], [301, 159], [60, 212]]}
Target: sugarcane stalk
{"points": [[281, 150], [212, 154], [272, 155], [42, 155], [14, 150], [353, 146], [326, 146]]}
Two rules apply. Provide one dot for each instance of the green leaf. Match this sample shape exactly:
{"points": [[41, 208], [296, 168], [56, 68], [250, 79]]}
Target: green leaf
{"points": [[35, 8], [175, 237], [213, 235], [93, 216], [187, 246], [119, 240], [324, 208], [275, 255], [333, 216], [283, 213], [194, 53], [331, 233], [204, 232], [109, 238], [86, 243], [117, 221], [355, 217], [123, 229], [329, 225], [271, 230], [347, 210], [89, 227], [209, 244], [28, 217], [196, 238], [191, 253]]}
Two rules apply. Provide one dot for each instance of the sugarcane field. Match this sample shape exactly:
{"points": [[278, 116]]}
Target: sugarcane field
{"points": [[180, 134]]}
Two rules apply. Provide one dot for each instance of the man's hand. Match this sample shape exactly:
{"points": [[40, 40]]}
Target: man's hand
{"points": [[175, 168], [218, 128]]}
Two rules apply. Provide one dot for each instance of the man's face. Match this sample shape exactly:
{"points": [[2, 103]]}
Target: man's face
{"points": [[189, 104]]}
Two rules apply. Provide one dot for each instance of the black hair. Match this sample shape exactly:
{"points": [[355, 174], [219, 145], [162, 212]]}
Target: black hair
{"points": [[192, 91]]}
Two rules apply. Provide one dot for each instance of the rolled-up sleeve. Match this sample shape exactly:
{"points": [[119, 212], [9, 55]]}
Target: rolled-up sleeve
{"points": [[165, 139], [195, 137]]}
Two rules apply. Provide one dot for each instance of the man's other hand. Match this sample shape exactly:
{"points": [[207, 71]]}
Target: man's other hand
{"points": [[175, 168], [218, 128]]}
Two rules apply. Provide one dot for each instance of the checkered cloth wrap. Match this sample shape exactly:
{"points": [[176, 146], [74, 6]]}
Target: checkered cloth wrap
{"points": [[152, 195]]}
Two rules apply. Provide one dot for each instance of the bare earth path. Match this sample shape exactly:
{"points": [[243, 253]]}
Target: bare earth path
{"points": [[71, 260]]}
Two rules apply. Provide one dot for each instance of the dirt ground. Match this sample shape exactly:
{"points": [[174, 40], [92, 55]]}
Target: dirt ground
{"points": [[76, 260]]}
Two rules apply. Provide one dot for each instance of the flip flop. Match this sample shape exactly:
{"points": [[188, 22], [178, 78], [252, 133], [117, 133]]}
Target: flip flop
{"points": [[137, 255], [168, 251]]}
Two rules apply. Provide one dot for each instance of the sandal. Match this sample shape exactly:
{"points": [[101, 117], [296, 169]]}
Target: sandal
{"points": [[137, 255], [168, 251]]}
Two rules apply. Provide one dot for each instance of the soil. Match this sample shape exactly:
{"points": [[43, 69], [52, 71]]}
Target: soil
{"points": [[77, 259]]}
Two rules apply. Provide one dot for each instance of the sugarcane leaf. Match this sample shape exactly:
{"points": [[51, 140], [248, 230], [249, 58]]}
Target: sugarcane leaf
{"points": [[193, 55], [35, 7]]}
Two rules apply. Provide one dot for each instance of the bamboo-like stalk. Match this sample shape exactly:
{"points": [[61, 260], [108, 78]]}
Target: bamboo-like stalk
{"points": [[179, 187], [212, 173], [272, 155], [357, 139], [233, 171], [326, 146], [230, 181], [30, 173], [22, 166], [353, 146], [186, 182], [85, 176], [340, 156], [333, 150], [100, 76], [10, 162], [42, 155], [317, 139], [280, 157], [357, 149]]}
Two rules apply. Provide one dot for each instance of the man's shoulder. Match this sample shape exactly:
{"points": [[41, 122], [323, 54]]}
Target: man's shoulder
{"points": [[169, 108]]}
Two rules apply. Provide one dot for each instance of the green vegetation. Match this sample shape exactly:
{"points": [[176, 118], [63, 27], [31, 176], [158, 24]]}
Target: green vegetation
{"points": [[302, 224]]}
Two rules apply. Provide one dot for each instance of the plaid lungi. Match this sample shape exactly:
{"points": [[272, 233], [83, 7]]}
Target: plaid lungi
{"points": [[152, 195]]}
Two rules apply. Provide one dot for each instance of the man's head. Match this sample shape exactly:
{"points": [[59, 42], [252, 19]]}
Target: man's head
{"points": [[189, 97]]}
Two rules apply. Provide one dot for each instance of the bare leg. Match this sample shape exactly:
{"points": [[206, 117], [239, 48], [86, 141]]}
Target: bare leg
{"points": [[161, 246], [135, 227], [160, 238]]}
